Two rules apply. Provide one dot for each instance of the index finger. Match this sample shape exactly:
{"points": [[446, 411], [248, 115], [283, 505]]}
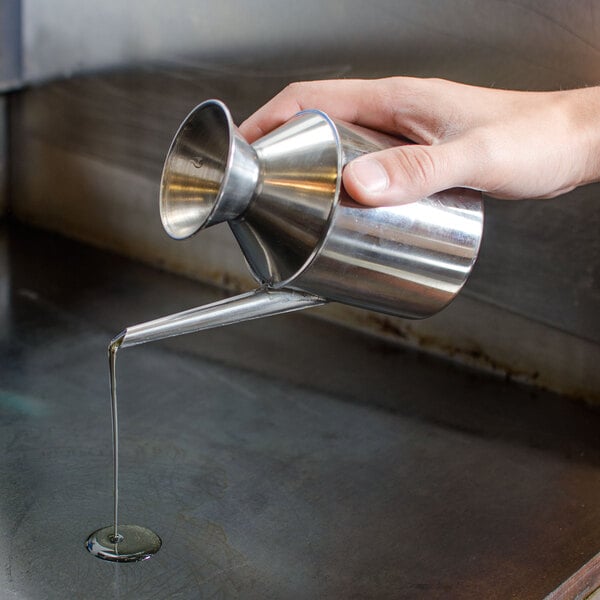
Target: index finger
{"points": [[406, 106], [350, 100]]}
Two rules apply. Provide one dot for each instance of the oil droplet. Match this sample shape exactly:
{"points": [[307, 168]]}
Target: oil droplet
{"points": [[132, 543]]}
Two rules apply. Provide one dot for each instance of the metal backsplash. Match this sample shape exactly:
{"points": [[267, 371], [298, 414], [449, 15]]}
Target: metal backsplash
{"points": [[87, 151], [10, 44]]}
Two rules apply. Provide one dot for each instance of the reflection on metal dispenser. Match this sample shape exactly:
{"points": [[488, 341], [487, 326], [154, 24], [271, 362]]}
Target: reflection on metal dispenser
{"points": [[305, 241]]}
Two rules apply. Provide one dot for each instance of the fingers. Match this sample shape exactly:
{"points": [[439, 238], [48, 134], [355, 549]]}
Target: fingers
{"points": [[343, 99], [408, 173], [415, 108], [429, 112]]}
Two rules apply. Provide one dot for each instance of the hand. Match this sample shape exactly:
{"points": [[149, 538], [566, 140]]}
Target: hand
{"points": [[508, 144]]}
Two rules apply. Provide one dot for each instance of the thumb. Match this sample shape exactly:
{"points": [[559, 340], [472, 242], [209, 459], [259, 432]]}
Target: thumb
{"points": [[406, 173]]}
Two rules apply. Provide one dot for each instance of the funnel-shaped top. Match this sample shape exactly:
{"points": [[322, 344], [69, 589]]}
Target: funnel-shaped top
{"points": [[278, 194], [298, 190], [210, 172]]}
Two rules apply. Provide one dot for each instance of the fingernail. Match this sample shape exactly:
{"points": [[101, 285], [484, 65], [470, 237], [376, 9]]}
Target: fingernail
{"points": [[370, 174]]}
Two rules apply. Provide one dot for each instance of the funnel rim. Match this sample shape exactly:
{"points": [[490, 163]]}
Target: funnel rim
{"points": [[171, 232], [336, 198]]}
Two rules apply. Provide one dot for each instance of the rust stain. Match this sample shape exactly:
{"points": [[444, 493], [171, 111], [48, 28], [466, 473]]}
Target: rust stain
{"points": [[474, 356]]}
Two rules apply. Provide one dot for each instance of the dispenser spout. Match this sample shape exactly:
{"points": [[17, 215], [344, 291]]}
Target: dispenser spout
{"points": [[262, 302]]}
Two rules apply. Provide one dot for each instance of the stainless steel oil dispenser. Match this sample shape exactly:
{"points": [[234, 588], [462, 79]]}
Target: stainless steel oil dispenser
{"points": [[304, 239]]}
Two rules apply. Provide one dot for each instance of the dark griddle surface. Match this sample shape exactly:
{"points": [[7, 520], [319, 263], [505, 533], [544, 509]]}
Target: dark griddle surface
{"points": [[282, 458]]}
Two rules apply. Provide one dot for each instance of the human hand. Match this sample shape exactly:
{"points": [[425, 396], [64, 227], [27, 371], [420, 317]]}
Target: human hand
{"points": [[508, 144]]}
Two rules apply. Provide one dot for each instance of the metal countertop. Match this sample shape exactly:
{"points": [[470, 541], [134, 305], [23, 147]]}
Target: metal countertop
{"points": [[282, 458]]}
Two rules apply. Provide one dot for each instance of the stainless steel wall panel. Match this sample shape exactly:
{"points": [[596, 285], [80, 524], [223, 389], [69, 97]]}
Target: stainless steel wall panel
{"points": [[539, 260], [3, 156], [528, 44], [10, 44]]}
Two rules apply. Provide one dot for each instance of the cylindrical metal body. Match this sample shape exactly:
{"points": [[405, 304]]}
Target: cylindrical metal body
{"points": [[303, 231], [409, 261]]}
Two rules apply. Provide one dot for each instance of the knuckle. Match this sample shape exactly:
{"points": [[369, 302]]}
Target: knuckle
{"points": [[295, 88], [438, 82], [290, 87], [295, 94], [414, 166]]}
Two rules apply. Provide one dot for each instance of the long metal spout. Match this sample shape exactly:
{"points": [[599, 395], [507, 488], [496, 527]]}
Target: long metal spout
{"points": [[262, 302]]}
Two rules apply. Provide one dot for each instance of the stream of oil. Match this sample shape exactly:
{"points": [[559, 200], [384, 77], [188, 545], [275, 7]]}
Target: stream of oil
{"points": [[120, 543]]}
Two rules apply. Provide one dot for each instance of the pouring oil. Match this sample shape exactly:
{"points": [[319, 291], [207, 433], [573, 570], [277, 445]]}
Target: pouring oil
{"points": [[120, 543]]}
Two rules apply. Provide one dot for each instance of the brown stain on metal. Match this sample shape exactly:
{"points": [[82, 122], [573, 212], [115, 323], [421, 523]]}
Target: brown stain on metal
{"points": [[474, 356]]}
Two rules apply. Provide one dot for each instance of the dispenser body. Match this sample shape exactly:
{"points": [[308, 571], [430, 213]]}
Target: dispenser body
{"points": [[299, 230]]}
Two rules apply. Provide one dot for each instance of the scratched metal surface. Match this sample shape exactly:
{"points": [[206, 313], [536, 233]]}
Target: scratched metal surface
{"points": [[277, 459]]}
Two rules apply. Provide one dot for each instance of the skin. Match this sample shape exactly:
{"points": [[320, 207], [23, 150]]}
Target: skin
{"points": [[509, 144]]}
